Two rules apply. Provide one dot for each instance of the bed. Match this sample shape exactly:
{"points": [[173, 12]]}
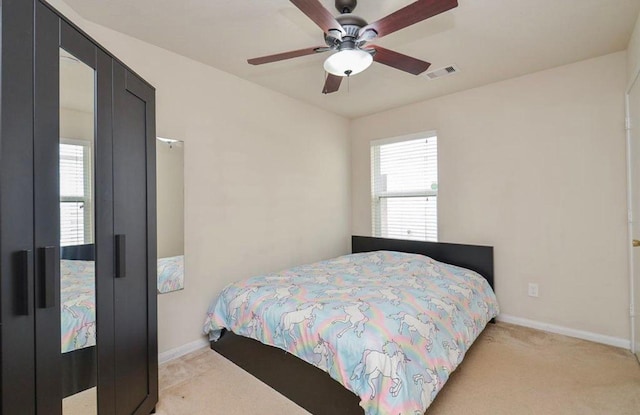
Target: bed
{"points": [[365, 335]]}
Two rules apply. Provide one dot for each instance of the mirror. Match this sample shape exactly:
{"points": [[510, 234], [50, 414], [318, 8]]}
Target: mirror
{"points": [[170, 196], [77, 248]]}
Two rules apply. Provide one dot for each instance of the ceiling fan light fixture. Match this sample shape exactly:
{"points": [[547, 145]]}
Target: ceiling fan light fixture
{"points": [[348, 62]]}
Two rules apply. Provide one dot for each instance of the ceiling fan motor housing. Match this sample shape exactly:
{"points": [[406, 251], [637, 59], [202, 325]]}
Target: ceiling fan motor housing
{"points": [[351, 24], [346, 6]]}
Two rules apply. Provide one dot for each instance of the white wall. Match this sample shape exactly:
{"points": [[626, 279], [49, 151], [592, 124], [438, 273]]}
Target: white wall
{"points": [[267, 177], [633, 53], [76, 124], [534, 166]]}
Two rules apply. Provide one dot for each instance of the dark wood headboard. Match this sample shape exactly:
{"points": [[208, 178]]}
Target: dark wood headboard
{"points": [[79, 252], [474, 257]]}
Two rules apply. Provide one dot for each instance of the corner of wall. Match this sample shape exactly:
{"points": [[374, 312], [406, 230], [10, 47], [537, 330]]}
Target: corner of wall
{"points": [[633, 53]]}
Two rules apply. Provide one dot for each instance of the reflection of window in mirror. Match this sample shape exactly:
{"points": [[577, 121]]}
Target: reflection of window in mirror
{"points": [[76, 219], [170, 214]]}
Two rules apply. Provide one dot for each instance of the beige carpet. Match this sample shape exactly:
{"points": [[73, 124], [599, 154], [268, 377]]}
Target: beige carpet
{"points": [[82, 403], [510, 370]]}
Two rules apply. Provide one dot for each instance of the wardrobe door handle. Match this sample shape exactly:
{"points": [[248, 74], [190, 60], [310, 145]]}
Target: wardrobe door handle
{"points": [[121, 256], [48, 258], [23, 274]]}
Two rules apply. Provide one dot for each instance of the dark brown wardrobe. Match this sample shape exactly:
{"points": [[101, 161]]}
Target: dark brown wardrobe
{"points": [[77, 222]]}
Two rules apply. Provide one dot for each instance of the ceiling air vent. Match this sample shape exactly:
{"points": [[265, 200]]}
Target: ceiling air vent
{"points": [[442, 72]]}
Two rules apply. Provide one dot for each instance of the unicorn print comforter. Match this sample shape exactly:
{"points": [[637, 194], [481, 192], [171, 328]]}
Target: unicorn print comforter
{"points": [[389, 326], [170, 274], [78, 304]]}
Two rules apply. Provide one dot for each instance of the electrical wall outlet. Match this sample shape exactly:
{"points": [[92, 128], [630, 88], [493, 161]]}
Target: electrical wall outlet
{"points": [[533, 289]]}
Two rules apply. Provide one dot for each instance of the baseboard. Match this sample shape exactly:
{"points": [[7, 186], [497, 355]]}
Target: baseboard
{"points": [[579, 334], [182, 350]]}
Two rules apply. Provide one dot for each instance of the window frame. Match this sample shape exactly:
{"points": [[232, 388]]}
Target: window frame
{"points": [[376, 176]]}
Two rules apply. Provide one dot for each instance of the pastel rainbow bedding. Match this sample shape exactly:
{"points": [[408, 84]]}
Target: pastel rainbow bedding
{"points": [[78, 304], [389, 326], [170, 274], [78, 300]]}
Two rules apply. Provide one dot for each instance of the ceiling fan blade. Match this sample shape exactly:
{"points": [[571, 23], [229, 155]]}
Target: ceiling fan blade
{"points": [[287, 55], [332, 84], [319, 14], [399, 61], [409, 15]]}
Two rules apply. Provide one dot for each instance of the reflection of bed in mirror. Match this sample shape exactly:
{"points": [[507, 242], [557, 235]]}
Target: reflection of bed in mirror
{"points": [[78, 311], [170, 214], [78, 317], [170, 274]]}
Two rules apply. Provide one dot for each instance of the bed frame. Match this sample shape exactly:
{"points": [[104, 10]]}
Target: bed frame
{"points": [[305, 384]]}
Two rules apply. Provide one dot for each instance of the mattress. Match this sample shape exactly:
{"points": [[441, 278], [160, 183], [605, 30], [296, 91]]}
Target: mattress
{"points": [[391, 327]]}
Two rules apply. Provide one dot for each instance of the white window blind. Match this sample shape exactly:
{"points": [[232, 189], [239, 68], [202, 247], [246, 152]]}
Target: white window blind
{"points": [[75, 195], [404, 178]]}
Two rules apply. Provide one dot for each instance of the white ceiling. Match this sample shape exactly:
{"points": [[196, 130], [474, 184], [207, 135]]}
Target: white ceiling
{"points": [[76, 84], [490, 40]]}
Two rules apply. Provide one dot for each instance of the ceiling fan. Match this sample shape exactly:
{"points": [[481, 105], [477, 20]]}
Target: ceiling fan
{"points": [[348, 36]]}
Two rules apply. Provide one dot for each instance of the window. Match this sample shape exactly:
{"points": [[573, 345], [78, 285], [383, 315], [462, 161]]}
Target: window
{"points": [[76, 212], [404, 181]]}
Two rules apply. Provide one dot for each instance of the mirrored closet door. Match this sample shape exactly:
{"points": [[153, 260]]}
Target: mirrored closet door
{"points": [[66, 96], [77, 230]]}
